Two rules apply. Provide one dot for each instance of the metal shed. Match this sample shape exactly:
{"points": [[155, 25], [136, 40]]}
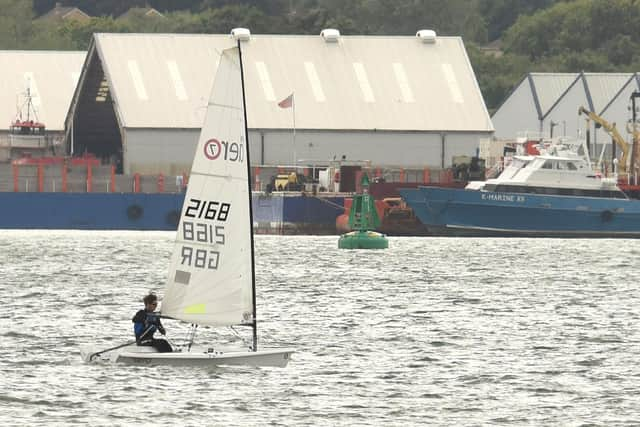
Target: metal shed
{"points": [[543, 99], [549, 103], [526, 107]]}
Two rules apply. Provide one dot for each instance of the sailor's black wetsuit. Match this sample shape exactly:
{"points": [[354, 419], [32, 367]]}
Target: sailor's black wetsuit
{"points": [[145, 324]]}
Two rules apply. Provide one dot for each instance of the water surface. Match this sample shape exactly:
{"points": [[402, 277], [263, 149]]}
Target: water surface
{"points": [[435, 331]]}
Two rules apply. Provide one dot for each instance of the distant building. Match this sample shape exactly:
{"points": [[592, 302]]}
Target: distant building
{"points": [[141, 12], [50, 77], [493, 49], [391, 100], [63, 13], [548, 103]]}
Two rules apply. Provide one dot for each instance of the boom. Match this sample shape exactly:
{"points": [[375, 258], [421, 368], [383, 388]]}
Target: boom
{"points": [[615, 135]]}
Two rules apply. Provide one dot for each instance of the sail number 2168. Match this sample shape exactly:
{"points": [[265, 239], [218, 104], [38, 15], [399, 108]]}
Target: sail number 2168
{"points": [[204, 233], [207, 209]]}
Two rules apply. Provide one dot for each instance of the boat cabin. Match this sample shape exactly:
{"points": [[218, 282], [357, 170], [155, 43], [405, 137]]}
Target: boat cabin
{"points": [[27, 128], [27, 134], [556, 171]]}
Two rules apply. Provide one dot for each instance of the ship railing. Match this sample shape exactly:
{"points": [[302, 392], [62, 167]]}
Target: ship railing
{"points": [[65, 175], [528, 135], [40, 176]]}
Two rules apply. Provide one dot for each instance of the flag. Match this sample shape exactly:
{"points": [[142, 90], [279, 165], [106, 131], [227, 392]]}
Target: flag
{"points": [[287, 102]]}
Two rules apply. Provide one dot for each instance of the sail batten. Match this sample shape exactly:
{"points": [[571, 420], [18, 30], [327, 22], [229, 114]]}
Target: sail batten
{"points": [[232, 107], [211, 270], [218, 176]]}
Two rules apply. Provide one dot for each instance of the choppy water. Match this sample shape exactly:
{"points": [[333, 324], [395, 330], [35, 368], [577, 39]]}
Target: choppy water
{"points": [[431, 331]]}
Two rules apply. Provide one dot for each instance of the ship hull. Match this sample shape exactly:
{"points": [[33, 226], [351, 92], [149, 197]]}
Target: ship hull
{"points": [[478, 213], [277, 213]]}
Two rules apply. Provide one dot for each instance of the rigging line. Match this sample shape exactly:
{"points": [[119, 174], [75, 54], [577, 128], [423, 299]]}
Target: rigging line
{"points": [[171, 343], [330, 203], [243, 339]]}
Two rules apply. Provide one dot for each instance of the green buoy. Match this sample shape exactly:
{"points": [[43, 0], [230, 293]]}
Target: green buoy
{"points": [[363, 218]]}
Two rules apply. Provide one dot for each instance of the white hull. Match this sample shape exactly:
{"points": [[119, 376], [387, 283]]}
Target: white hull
{"points": [[195, 357]]}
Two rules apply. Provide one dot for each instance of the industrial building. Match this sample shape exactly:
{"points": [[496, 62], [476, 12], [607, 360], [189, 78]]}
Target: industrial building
{"points": [[405, 101], [549, 103], [48, 78]]}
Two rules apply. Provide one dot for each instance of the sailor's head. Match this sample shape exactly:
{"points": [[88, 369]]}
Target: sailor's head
{"points": [[150, 301]]}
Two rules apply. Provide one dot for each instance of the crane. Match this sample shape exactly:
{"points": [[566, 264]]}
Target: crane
{"points": [[615, 135], [634, 130]]}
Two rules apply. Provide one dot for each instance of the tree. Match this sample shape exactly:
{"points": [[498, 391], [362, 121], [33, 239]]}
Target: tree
{"points": [[80, 34], [16, 27], [502, 14], [226, 18], [497, 75]]}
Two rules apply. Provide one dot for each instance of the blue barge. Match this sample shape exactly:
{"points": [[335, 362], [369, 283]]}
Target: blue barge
{"points": [[276, 213]]}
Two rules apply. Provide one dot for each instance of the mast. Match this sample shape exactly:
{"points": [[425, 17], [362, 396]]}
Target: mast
{"points": [[253, 270]]}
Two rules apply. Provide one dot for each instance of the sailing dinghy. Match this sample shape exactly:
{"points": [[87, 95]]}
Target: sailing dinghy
{"points": [[211, 278]]}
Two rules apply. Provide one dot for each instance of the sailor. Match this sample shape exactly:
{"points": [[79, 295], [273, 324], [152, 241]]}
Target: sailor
{"points": [[146, 322]]}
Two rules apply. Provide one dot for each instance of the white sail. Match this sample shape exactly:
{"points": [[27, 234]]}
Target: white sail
{"points": [[210, 275]]}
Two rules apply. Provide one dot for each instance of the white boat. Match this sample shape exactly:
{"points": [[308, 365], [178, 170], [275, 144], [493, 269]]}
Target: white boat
{"points": [[560, 167], [211, 280], [552, 193]]}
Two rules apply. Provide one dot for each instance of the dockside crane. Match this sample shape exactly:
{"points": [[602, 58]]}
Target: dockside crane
{"points": [[611, 129]]}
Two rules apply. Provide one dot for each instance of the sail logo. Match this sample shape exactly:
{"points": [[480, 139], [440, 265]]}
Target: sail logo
{"points": [[231, 151]]}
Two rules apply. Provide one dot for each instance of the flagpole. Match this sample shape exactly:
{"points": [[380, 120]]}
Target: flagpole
{"points": [[293, 105], [290, 102]]}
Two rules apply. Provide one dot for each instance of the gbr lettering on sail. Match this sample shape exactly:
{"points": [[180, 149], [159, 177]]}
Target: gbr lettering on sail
{"points": [[204, 220]]}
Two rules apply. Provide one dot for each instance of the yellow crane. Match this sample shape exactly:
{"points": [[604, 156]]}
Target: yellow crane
{"points": [[615, 135], [634, 130]]}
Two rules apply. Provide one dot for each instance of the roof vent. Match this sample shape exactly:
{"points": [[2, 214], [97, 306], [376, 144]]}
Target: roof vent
{"points": [[427, 36], [242, 34], [330, 35]]}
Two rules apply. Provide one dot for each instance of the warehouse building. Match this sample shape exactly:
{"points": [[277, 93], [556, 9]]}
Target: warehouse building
{"points": [[36, 86], [549, 103], [388, 100]]}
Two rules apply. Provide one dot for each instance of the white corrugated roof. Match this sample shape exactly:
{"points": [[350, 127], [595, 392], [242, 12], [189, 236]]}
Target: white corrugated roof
{"points": [[550, 86], [360, 82], [52, 77], [599, 92], [603, 87]]}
